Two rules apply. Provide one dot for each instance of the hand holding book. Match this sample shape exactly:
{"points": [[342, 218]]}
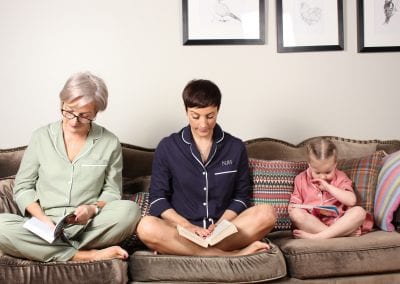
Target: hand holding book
{"points": [[221, 231], [47, 232]]}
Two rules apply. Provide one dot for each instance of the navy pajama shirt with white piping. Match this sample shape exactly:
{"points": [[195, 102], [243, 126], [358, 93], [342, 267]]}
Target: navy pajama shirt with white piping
{"points": [[200, 192]]}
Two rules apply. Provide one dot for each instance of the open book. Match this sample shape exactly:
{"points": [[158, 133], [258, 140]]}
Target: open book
{"points": [[324, 210], [44, 231], [222, 230]]}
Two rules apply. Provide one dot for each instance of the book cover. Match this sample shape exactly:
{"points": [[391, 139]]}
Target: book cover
{"points": [[44, 231], [324, 210], [223, 230]]}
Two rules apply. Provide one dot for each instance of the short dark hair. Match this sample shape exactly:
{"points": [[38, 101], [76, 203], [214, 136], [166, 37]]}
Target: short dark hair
{"points": [[201, 93]]}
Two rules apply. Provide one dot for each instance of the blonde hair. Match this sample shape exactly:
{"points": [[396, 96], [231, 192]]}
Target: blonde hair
{"points": [[83, 88], [321, 149]]}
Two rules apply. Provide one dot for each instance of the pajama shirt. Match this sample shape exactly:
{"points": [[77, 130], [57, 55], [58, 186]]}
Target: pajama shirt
{"points": [[200, 192]]}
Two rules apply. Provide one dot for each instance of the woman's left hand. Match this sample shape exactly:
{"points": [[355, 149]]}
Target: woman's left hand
{"points": [[84, 213]]}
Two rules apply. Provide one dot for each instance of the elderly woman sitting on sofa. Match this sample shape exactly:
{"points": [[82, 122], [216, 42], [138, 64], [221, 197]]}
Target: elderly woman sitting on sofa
{"points": [[72, 165]]}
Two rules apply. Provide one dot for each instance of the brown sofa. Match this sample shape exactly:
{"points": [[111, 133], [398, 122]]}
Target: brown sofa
{"points": [[371, 258]]}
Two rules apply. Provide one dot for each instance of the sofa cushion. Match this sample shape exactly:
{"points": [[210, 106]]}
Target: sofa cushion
{"points": [[15, 271], [372, 253], [387, 197], [148, 267], [364, 174], [272, 183]]}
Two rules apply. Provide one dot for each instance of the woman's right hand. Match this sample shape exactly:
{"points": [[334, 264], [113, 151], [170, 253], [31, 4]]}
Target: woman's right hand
{"points": [[204, 233]]}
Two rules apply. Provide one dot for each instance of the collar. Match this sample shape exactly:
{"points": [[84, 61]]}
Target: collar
{"points": [[56, 133], [187, 137]]}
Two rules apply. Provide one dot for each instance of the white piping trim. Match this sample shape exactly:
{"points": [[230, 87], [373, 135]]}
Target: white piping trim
{"points": [[157, 200], [240, 201], [227, 172]]}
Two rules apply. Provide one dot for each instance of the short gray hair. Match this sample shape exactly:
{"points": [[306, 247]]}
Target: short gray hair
{"points": [[84, 88]]}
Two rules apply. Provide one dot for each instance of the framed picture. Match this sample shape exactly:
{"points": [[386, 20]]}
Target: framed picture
{"points": [[309, 25], [378, 24], [223, 22]]}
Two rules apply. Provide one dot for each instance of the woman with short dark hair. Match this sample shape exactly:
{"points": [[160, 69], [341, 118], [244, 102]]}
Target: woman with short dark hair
{"points": [[200, 177]]}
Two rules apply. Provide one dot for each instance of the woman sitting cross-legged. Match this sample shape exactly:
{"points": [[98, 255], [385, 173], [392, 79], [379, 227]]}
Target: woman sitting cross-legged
{"points": [[200, 177]]}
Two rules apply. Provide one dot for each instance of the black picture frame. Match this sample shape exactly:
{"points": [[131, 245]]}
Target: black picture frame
{"points": [[329, 39], [255, 25], [377, 39]]}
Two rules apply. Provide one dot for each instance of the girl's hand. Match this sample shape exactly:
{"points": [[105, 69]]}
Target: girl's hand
{"points": [[321, 184]]}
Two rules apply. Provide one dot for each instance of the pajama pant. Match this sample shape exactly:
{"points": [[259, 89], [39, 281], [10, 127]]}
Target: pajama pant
{"points": [[114, 223]]}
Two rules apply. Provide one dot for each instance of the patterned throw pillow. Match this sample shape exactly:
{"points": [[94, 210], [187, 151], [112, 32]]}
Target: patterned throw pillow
{"points": [[273, 183], [387, 197], [364, 174]]}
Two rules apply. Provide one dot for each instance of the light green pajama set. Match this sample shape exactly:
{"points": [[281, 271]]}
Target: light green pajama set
{"points": [[48, 177]]}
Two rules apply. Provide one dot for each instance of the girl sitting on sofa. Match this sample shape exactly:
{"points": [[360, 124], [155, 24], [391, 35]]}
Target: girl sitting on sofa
{"points": [[323, 184]]}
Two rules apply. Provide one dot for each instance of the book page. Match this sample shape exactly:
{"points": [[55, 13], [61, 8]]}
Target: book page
{"points": [[222, 230], [40, 228]]}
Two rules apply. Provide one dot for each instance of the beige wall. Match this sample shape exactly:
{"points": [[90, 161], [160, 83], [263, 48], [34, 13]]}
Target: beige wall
{"points": [[136, 46]]}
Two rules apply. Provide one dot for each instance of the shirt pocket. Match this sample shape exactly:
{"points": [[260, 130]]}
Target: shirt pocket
{"points": [[92, 173], [225, 180]]}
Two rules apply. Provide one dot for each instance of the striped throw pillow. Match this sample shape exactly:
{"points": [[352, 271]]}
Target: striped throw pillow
{"points": [[387, 198]]}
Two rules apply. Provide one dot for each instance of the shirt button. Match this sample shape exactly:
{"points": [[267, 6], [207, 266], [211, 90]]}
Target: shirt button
{"points": [[205, 188], [204, 204], [204, 173]]}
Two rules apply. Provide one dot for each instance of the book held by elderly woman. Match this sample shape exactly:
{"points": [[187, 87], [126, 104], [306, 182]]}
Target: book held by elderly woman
{"points": [[223, 230], [44, 231]]}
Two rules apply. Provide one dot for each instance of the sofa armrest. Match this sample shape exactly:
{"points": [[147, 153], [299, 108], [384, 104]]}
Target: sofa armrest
{"points": [[7, 203]]}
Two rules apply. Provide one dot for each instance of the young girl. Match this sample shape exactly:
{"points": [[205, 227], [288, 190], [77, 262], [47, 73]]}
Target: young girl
{"points": [[323, 184]]}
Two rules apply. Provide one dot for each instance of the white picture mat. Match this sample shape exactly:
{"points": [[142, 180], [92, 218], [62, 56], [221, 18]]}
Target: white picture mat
{"points": [[204, 23], [313, 24], [376, 32]]}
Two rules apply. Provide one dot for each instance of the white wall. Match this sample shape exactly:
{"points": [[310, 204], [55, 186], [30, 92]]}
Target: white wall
{"points": [[136, 46]]}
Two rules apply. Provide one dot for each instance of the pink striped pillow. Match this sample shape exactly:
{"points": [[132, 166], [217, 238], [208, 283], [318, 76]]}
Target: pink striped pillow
{"points": [[387, 198]]}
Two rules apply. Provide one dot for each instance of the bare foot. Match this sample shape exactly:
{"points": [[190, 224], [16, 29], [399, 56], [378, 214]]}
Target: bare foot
{"points": [[300, 234], [356, 233], [100, 254], [254, 247]]}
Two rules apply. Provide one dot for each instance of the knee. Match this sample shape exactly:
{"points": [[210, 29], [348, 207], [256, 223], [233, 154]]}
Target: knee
{"points": [[266, 215], [147, 229], [359, 212], [296, 215], [127, 212]]}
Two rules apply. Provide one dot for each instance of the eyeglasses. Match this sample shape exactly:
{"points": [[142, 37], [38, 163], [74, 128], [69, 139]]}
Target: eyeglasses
{"points": [[70, 115]]}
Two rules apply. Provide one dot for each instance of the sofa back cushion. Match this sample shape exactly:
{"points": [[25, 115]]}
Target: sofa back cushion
{"points": [[274, 149]]}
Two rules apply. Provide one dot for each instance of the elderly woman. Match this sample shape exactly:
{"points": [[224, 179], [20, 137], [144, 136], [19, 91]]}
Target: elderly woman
{"points": [[72, 165]]}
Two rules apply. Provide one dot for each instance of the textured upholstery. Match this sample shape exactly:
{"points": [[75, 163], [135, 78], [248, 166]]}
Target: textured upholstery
{"points": [[145, 266], [372, 253]]}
